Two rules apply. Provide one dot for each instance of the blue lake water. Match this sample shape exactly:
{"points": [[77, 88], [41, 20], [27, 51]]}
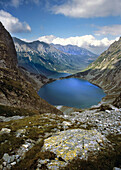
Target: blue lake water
{"points": [[72, 92]]}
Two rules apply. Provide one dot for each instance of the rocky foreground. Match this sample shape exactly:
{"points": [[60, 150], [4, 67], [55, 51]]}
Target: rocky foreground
{"points": [[81, 139]]}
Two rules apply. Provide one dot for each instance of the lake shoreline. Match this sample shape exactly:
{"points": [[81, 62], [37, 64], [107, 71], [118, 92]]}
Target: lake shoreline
{"points": [[73, 92]]}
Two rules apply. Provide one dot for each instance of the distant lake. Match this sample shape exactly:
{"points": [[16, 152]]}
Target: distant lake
{"points": [[72, 92], [58, 75]]}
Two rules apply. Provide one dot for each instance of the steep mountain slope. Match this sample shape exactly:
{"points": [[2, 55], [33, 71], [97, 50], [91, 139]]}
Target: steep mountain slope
{"points": [[15, 90], [106, 72], [42, 58]]}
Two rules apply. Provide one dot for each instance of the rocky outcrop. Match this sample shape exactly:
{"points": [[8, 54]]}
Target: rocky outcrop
{"points": [[15, 90], [8, 57], [72, 144], [106, 73]]}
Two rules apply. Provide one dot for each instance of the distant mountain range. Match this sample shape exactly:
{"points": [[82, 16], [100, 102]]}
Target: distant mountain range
{"points": [[75, 50], [42, 58]]}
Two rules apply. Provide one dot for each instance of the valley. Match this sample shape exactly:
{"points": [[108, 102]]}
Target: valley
{"points": [[37, 135], [42, 58]]}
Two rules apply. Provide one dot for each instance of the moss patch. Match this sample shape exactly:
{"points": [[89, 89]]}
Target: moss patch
{"points": [[35, 127], [9, 143], [8, 111]]}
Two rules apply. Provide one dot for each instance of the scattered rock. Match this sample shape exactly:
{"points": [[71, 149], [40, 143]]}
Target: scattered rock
{"points": [[44, 161], [115, 168], [4, 163], [20, 132], [13, 163], [108, 111], [7, 119], [67, 123], [6, 157], [5, 130]]}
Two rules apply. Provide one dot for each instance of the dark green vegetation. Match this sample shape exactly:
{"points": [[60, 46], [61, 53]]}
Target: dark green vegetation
{"points": [[8, 111]]}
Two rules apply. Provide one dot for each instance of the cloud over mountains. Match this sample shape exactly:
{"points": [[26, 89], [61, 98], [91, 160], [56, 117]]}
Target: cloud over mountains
{"points": [[87, 41]]}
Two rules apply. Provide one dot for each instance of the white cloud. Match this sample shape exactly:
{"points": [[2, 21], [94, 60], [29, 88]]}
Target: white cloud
{"points": [[12, 24], [89, 8], [112, 30], [48, 39], [87, 41]]}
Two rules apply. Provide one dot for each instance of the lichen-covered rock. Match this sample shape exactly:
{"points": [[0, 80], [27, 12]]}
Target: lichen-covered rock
{"points": [[70, 144]]}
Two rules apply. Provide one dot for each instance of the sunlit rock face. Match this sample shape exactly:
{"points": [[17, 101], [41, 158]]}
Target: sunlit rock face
{"points": [[106, 73], [69, 144]]}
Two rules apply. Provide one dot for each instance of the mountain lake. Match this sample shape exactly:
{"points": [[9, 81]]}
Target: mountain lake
{"points": [[72, 92]]}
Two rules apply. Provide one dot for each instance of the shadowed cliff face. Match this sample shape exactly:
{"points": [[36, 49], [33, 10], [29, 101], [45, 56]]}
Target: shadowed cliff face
{"points": [[15, 90], [8, 57], [106, 73]]}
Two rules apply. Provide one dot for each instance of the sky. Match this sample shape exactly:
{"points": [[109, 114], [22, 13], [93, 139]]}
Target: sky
{"points": [[91, 24]]}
